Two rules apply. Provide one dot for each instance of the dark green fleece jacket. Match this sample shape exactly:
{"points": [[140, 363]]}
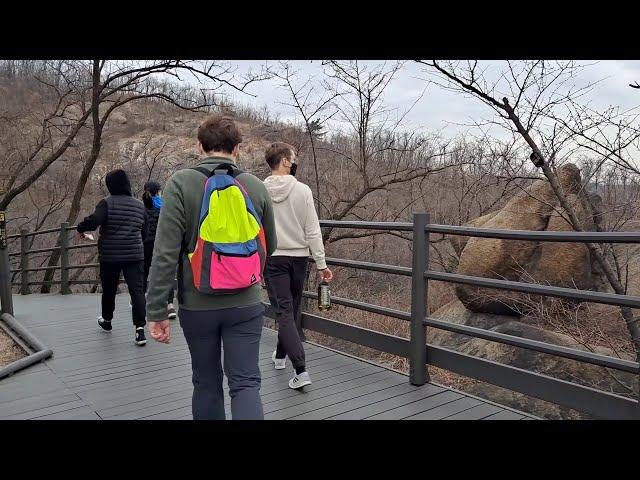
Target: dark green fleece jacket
{"points": [[177, 233]]}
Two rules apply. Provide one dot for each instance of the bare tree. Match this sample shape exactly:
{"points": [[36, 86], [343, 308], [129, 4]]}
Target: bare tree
{"points": [[314, 108], [33, 139], [540, 91], [372, 155], [115, 84]]}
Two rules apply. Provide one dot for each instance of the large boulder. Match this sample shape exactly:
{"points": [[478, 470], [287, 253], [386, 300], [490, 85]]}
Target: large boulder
{"points": [[558, 263], [562, 264], [460, 241]]}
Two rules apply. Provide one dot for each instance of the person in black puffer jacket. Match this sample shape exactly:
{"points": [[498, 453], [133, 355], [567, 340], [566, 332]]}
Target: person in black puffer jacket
{"points": [[152, 199], [123, 228]]}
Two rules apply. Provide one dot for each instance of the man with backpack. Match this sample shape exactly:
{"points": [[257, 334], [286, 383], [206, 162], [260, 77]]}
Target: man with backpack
{"points": [[123, 229], [217, 226]]}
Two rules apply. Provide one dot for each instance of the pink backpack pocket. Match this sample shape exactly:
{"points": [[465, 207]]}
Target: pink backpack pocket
{"points": [[230, 272]]}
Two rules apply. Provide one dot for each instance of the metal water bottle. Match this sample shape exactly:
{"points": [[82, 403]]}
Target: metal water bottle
{"points": [[324, 296]]}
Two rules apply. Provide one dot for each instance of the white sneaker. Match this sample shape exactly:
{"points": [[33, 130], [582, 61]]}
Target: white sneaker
{"points": [[300, 380], [279, 363]]}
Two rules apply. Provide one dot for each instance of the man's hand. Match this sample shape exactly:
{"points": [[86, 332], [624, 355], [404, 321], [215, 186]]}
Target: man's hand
{"points": [[160, 331], [79, 236], [325, 274]]}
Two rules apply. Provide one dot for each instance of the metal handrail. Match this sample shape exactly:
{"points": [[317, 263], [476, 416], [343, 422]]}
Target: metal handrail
{"points": [[420, 353], [535, 345]]}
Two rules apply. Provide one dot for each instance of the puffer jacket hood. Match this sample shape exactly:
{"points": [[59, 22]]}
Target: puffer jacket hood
{"points": [[280, 186], [118, 183]]}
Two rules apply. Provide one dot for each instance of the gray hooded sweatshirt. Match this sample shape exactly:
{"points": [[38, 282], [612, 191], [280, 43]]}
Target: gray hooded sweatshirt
{"points": [[297, 224]]}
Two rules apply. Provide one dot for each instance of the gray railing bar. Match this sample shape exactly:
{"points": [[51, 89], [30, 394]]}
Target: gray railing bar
{"points": [[532, 288], [375, 267], [367, 307], [82, 245], [36, 269], [418, 374], [86, 265], [359, 335], [395, 226], [546, 236], [535, 345], [42, 232], [42, 250]]}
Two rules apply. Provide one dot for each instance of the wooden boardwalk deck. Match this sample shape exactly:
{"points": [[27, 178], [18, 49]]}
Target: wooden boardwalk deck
{"points": [[95, 375]]}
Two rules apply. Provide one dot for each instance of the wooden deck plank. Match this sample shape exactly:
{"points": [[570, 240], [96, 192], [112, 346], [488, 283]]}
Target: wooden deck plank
{"points": [[80, 413], [417, 406], [388, 404], [504, 415], [447, 409], [366, 400], [53, 408], [476, 413], [308, 402]]}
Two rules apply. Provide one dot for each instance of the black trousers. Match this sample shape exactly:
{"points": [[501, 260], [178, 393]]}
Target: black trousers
{"points": [[134, 276], [285, 278], [148, 256]]}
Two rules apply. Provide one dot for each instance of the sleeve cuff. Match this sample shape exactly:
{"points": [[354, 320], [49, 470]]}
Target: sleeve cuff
{"points": [[157, 315]]}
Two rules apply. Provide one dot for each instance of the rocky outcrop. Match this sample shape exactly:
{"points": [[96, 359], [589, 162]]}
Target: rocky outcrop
{"points": [[557, 367]]}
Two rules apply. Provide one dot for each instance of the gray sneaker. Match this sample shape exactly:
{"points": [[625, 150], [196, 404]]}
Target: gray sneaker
{"points": [[300, 380], [279, 363]]}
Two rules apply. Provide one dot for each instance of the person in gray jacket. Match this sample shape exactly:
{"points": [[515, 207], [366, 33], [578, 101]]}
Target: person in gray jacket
{"points": [[299, 234]]}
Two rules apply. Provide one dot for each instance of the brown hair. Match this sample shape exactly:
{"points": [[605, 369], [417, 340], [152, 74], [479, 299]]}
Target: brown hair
{"points": [[276, 152], [219, 134]]}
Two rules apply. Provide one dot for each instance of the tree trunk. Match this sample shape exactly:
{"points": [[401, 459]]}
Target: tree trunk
{"points": [[86, 171]]}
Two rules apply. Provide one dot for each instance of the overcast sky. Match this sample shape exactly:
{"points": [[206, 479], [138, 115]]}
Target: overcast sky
{"points": [[441, 110]]}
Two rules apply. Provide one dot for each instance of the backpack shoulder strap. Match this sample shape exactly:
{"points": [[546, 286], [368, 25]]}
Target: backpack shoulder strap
{"points": [[202, 170], [222, 168]]}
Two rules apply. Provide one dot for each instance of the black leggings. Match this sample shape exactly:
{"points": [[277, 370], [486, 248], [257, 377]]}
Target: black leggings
{"points": [[148, 256]]}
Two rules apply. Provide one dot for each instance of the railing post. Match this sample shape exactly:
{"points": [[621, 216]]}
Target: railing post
{"points": [[418, 374], [6, 298], [64, 259], [24, 263]]}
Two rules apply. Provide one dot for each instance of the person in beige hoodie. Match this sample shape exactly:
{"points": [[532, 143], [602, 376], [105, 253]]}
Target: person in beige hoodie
{"points": [[298, 232]]}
